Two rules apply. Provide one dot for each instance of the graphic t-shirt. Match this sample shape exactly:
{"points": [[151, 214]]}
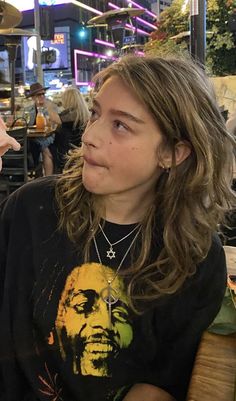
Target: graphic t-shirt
{"points": [[67, 329]]}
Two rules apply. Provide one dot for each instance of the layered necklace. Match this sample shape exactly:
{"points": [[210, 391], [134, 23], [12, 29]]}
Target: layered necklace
{"points": [[109, 294], [111, 253]]}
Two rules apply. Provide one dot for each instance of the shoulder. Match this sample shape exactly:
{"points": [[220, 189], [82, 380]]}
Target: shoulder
{"points": [[215, 256], [198, 301], [30, 108], [50, 105], [39, 187], [40, 192], [211, 272], [208, 284], [68, 115]]}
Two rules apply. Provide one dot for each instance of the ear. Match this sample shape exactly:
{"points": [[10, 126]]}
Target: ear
{"points": [[182, 151]]}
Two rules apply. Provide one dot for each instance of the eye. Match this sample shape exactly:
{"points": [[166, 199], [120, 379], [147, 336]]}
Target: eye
{"points": [[120, 126], [79, 308], [93, 115]]}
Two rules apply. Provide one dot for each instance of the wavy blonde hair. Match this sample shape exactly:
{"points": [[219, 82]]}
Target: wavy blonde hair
{"points": [[190, 201], [72, 99]]}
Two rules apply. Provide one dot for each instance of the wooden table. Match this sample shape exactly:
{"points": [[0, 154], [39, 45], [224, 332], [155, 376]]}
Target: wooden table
{"points": [[214, 372], [32, 132], [35, 133]]}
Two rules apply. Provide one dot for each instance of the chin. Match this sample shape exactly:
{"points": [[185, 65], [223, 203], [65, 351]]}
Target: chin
{"points": [[92, 184], [91, 187]]}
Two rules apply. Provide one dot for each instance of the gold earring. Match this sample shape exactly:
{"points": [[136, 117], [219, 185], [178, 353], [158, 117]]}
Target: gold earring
{"points": [[165, 168]]}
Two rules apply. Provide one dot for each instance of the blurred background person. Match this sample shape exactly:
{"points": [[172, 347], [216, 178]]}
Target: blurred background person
{"points": [[41, 145], [73, 120]]}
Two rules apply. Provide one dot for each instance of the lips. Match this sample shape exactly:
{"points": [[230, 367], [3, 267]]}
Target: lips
{"points": [[99, 343], [92, 162]]}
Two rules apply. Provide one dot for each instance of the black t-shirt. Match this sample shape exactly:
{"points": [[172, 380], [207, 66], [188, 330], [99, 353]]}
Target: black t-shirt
{"points": [[59, 341]]}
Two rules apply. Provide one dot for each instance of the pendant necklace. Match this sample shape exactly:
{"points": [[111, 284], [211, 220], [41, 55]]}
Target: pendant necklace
{"points": [[109, 294], [111, 254]]}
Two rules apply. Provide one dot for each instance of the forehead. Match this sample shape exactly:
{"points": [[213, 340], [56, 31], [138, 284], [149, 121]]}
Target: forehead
{"points": [[116, 91], [115, 97]]}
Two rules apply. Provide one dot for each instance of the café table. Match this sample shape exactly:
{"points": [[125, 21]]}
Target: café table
{"points": [[33, 132]]}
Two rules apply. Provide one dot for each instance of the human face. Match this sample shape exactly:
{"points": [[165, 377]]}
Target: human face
{"points": [[39, 99], [83, 316], [120, 144]]}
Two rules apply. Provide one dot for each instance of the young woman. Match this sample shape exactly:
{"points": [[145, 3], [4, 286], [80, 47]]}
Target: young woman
{"points": [[75, 108], [73, 122], [111, 272]]}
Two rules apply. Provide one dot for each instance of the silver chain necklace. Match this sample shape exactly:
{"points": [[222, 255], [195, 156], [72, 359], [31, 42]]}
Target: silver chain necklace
{"points": [[111, 253], [109, 294]]}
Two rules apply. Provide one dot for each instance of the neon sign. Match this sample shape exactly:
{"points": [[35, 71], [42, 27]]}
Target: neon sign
{"points": [[59, 38]]}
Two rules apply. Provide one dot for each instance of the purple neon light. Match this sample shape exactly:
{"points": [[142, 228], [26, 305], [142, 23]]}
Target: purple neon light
{"points": [[103, 42], [139, 6], [139, 30], [139, 19], [93, 54], [146, 23], [128, 25], [89, 54], [83, 83]]}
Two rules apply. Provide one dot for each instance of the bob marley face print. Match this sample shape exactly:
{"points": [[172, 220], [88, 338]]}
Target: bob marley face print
{"points": [[85, 333]]}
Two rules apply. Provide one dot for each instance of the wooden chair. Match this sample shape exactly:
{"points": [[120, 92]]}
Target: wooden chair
{"points": [[214, 372]]}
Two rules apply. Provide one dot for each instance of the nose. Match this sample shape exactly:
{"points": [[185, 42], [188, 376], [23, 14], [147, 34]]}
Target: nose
{"points": [[94, 134], [100, 316]]}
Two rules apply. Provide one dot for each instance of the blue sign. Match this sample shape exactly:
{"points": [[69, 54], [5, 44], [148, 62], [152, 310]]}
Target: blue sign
{"points": [[129, 39]]}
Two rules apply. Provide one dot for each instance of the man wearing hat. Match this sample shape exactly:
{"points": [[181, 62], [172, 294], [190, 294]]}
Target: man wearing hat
{"points": [[37, 93]]}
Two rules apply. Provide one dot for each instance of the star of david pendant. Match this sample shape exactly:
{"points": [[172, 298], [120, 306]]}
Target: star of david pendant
{"points": [[111, 253], [110, 296]]}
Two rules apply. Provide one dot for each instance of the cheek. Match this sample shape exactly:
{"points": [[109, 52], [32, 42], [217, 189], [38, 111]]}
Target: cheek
{"points": [[70, 320], [135, 159], [125, 333]]}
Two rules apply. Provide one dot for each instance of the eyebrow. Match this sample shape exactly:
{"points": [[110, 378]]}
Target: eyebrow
{"points": [[121, 113]]}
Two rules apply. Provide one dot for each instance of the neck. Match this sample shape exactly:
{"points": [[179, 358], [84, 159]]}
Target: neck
{"points": [[120, 210]]}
